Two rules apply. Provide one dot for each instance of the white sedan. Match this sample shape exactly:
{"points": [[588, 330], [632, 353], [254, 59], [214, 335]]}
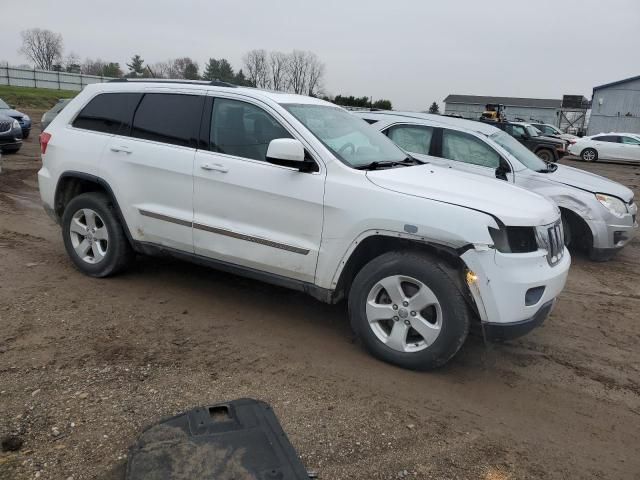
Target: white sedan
{"points": [[607, 146]]}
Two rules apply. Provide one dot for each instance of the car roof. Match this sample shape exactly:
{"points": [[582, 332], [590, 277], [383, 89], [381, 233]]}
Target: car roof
{"points": [[464, 124], [137, 85]]}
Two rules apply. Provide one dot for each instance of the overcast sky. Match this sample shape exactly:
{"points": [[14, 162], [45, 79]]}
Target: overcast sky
{"points": [[409, 51]]}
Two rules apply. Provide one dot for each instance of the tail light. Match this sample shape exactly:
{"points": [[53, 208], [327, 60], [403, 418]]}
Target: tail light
{"points": [[44, 141]]}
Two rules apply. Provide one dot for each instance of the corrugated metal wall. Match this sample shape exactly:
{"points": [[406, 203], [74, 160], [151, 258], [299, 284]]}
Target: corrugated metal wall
{"points": [[545, 115], [616, 109], [22, 77]]}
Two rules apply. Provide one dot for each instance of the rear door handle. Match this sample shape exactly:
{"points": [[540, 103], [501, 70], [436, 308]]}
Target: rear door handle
{"points": [[215, 167], [121, 149]]}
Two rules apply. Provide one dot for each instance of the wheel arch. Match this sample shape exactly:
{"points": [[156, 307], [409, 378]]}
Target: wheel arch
{"points": [[369, 246], [579, 226], [71, 184]]}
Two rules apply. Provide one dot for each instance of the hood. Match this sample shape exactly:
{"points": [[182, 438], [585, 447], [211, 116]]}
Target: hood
{"points": [[513, 205], [11, 112], [590, 182], [547, 138]]}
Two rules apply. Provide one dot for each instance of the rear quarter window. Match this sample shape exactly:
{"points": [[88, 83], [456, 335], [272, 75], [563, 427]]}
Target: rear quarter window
{"points": [[108, 113]]}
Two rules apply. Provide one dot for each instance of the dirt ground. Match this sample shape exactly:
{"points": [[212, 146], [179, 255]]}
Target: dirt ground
{"points": [[85, 364]]}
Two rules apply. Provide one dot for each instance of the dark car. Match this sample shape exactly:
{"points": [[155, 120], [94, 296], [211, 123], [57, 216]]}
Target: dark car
{"points": [[49, 115], [549, 149], [10, 134], [22, 118]]}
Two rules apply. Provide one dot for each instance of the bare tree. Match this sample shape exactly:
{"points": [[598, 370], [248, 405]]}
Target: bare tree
{"points": [[93, 67], [298, 71], [71, 63], [42, 47], [315, 74], [255, 62], [278, 67]]}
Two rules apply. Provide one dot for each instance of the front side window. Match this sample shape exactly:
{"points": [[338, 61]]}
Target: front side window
{"points": [[412, 138], [109, 113], [630, 141], [243, 130], [515, 148], [466, 148], [517, 131], [168, 118], [532, 131], [348, 137]]}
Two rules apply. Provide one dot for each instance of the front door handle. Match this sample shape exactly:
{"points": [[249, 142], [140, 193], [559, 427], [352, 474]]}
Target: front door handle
{"points": [[215, 167], [121, 149]]}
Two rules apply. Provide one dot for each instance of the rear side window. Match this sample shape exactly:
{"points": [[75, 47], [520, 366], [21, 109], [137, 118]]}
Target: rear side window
{"points": [[108, 113], [414, 139], [466, 148], [243, 130], [169, 118]]}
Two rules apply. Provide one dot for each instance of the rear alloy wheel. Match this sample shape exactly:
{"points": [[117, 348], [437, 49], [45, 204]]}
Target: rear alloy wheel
{"points": [[589, 155], [89, 236], [93, 236], [407, 310], [545, 155]]}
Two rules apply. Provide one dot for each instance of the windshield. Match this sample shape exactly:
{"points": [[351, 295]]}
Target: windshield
{"points": [[349, 138], [522, 153], [532, 131], [3, 105]]}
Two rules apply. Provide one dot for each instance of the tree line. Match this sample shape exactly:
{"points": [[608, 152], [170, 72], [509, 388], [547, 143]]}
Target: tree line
{"points": [[300, 72]]}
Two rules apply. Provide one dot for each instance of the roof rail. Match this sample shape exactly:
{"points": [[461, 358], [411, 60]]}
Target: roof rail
{"points": [[213, 83]]}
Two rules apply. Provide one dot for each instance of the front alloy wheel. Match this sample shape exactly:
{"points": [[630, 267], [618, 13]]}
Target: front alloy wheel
{"points": [[404, 313], [407, 309]]}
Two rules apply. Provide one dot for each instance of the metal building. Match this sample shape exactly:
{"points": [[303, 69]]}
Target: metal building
{"points": [[543, 110], [615, 107]]}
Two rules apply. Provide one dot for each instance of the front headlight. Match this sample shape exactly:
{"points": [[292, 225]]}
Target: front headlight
{"points": [[613, 204], [26, 118], [15, 124]]}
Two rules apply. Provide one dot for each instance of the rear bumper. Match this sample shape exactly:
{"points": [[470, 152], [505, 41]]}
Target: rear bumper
{"points": [[497, 332]]}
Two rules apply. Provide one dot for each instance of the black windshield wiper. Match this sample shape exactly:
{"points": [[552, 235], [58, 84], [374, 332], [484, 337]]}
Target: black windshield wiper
{"points": [[408, 161]]}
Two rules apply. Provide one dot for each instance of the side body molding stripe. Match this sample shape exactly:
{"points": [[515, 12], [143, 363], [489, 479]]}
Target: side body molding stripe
{"points": [[227, 233]]}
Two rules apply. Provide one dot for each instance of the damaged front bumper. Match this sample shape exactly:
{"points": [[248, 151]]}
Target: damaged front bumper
{"points": [[514, 292]]}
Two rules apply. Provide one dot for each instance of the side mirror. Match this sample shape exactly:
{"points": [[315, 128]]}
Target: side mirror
{"points": [[288, 152], [12, 107], [502, 170]]}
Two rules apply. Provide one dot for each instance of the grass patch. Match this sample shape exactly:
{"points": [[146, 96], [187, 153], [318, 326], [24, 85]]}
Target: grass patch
{"points": [[39, 98]]}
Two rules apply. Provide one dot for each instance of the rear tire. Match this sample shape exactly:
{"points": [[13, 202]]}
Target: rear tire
{"points": [[426, 338], [93, 236], [589, 155]]}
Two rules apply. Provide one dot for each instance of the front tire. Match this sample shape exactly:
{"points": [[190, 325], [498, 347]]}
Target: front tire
{"points": [[407, 310], [546, 155], [589, 155], [93, 236]]}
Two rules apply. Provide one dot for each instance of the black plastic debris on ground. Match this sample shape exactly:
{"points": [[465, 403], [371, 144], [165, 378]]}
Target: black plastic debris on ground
{"points": [[238, 440]]}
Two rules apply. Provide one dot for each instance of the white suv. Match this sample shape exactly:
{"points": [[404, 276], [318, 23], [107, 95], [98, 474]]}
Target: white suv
{"points": [[300, 193]]}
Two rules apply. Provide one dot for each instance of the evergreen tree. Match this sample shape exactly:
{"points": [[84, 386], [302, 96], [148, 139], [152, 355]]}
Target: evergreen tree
{"points": [[136, 67], [241, 80], [434, 108]]}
